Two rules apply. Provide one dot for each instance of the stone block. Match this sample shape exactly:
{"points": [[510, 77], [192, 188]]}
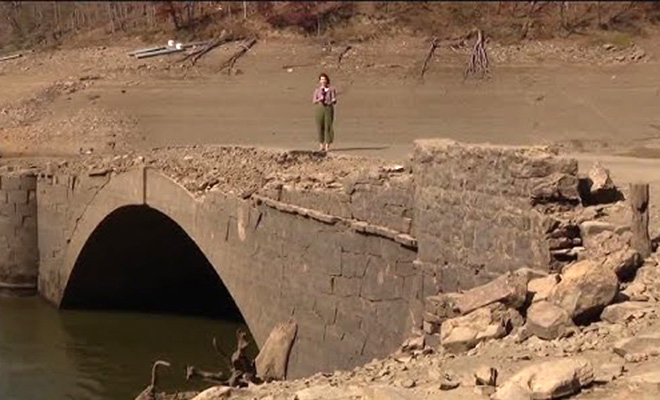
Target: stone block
{"points": [[8, 183], [346, 287], [509, 289], [463, 333], [17, 196], [552, 379], [622, 313], [586, 288], [547, 321]]}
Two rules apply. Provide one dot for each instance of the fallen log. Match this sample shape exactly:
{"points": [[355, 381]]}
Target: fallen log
{"points": [[231, 61], [159, 53], [193, 372], [434, 45], [241, 367], [224, 37], [14, 56]]}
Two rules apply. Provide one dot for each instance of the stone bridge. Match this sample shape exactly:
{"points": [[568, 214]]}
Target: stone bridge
{"points": [[351, 265]]}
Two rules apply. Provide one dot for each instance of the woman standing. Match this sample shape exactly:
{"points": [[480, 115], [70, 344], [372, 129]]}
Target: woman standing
{"points": [[325, 99]]}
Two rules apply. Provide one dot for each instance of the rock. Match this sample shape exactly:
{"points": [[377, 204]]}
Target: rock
{"points": [[623, 312], [449, 383], [415, 343], [214, 393], [547, 380], [272, 361], [541, 288], [557, 187], [592, 228], [586, 288], [441, 307], [624, 263], [638, 345], [485, 376], [547, 321], [385, 393], [463, 333], [509, 289], [328, 392], [646, 378], [408, 383], [600, 178], [635, 291], [607, 373]]}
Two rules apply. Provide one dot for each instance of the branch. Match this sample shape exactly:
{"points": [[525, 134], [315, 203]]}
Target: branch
{"points": [[434, 45]]}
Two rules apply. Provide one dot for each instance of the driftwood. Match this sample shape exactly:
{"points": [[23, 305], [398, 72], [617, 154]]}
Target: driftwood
{"points": [[194, 56], [193, 372], [6, 58], [149, 393], [342, 54], [434, 45], [231, 61], [639, 202], [273, 359], [478, 64], [242, 370]]}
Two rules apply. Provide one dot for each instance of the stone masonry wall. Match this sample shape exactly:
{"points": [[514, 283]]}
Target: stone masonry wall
{"points": [[351, 292], [18, 232], [483, 210]]}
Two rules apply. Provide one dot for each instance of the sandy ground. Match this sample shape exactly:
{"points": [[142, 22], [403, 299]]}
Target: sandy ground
{"points": [[579, 98], [583, 102]]}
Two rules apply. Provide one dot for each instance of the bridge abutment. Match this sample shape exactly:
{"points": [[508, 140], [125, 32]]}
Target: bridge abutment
{"points": [[18, 234]]}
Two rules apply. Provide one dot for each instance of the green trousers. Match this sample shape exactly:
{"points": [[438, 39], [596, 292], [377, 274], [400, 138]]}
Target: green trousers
{"points": [[324, 117]]}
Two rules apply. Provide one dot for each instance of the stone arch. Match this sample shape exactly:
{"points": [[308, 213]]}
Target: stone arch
{"points": [[150, 190]]}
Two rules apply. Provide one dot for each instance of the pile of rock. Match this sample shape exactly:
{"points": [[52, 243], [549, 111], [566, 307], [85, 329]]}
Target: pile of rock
{"points": [[550, 305]]}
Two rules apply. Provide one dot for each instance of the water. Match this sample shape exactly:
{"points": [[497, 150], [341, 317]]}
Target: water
{"points": [[50, 354]]}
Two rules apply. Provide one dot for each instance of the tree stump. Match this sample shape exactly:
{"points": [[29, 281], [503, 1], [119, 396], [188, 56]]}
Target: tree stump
{"points": [[639, 202]]}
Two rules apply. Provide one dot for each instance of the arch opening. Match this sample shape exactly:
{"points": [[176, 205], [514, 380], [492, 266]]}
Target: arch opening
{"points": [[139, 259]]}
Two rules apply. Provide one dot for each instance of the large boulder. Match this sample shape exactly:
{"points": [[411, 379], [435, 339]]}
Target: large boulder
{"points": [[547, 321], [463, 333], [547, 380], [586, 288], [540, 288]]}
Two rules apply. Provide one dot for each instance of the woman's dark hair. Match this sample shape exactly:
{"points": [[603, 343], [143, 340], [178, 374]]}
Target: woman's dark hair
{"points": [[324, 75]]}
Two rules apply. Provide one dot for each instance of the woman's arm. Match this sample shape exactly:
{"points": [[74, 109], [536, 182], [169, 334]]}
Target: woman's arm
{"points": [[333, 96], [315, 97]]}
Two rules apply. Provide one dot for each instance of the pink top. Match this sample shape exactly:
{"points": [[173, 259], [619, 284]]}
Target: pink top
{"points": [[324, 95]]}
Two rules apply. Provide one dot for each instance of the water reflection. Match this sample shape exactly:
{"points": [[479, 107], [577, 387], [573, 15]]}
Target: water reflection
{"points": [[46, 354]]}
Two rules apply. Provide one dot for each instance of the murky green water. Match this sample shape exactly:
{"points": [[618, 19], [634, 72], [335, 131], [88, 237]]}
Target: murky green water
{"points": [[49, 354]]}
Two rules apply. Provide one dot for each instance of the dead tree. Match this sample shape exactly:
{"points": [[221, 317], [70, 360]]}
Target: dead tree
{"points": [[193, 372], [241, 367], [149, 393], [478, 64], [639, 202], [195, 55], [434, 45], [231, 61], [342, 54]]}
